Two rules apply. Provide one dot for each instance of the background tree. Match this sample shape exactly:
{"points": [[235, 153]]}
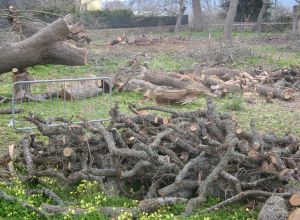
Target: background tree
{"points": [[261, 15], [247, 10], [181, 11], [229, 20], [198, 16]]}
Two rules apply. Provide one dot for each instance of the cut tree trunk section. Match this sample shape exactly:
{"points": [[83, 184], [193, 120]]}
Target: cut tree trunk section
{"points": [[269, 91], [44, 47]]}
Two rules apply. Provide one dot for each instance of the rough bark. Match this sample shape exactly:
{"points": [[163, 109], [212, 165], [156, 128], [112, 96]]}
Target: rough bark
{"points": [[262, 12], [83, 90], [180, 15], [296, 19], [178, 82], [266, 90], [229, 20], [275, 208], [198, 16], [44, 47], [200, 149]]}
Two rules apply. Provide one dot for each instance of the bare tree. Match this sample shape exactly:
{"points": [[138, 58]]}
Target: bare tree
{"points": [[229, 20], [180, 15], [198, 16], [260, 16]]}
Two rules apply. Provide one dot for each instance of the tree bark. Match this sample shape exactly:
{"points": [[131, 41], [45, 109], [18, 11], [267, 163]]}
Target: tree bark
{"points": [[229, 20], [275, 208], [269, 91], [198, 16], [44, 47], [180, 15], [260, 16], [296, 18]]}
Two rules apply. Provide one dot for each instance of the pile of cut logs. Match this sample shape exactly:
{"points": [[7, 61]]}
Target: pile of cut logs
{"points": [[184, 157], [189, 83]]}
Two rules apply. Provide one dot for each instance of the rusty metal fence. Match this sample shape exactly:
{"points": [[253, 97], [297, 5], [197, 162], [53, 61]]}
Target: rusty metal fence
{"points": [[89, 98]]}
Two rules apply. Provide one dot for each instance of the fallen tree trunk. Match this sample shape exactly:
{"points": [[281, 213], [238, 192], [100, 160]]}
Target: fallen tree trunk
{"points": [[44, 47], [183, 82]]}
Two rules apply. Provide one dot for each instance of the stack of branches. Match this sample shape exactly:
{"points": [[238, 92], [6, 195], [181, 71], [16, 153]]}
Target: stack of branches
{"points": [[213, 54], [186, 85], [188, 156], [144, 40]]}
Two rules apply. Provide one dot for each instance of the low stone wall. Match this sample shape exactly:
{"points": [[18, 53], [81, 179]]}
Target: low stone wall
{"points": [[248, 27]]}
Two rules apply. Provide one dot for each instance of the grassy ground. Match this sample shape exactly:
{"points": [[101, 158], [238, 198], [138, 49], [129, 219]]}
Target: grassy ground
{"points": [[278, 117]]}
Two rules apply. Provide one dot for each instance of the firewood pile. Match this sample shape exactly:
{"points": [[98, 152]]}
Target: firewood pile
{"points": [[282, 84], [144, 40], [185, 86], [186, 155]]}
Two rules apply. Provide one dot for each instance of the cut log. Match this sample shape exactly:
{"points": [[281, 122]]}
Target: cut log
{"points": [[86, 89], [139, 85], [222, 73], [284, 94], [44, 47], [295, 199], [143, 41], [166, 96], [295, 215], [21, 89], [185, 82], [275, 208], [216, 83]]}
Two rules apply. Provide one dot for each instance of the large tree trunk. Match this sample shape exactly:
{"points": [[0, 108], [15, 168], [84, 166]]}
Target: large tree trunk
{"points": [[44, 47], [296, 18], [229, 20], [180, 15], [260, 16], [198, 17]]}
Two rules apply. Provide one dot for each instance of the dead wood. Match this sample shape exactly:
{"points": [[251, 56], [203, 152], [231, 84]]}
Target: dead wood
{"points": [[275, 208], [295, 199], [295, 214], [223, 73], [10, 111], [185, 83], [170, 155], [284, 94], [44, 47]]}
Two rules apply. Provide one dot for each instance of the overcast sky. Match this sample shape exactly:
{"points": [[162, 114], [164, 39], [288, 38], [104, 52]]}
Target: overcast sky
{"points": [[288, 2]]}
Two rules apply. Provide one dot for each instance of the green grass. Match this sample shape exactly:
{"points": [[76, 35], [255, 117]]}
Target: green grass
{"points": [[166, 62]]}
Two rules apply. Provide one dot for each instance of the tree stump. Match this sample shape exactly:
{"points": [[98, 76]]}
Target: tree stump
{"points": [[20, 90]]}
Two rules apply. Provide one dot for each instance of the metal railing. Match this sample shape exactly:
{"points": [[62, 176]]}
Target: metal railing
{"points": [[89, 98]]}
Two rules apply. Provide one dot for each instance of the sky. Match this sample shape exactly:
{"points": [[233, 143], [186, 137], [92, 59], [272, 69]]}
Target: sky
{"points": [[288, 2]]}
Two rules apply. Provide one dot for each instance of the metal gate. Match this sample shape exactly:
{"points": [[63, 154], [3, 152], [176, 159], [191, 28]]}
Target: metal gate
{"points": [[90, 98]]}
